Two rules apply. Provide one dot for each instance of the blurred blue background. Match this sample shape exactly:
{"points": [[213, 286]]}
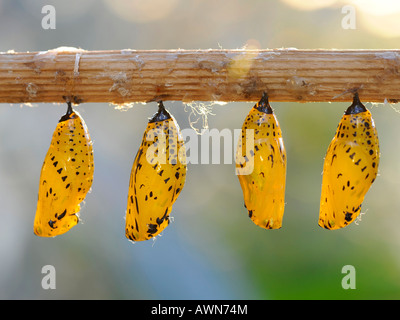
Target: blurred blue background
{"points": [[212, 250]]}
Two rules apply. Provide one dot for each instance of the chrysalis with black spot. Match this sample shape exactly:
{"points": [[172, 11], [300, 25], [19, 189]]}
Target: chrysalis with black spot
{"points": [[157, 177], [261, 166], [350, 167], [66, 176]]}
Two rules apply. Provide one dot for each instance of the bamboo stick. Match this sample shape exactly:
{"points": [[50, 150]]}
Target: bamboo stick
{"points": [[124, 76]]}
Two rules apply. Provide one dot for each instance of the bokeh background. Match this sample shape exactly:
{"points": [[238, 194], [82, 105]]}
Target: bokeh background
{"points": [[212, 250]]}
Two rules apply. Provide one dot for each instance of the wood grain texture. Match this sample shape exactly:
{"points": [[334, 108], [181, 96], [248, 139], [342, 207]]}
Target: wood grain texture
{"points": [[123, 76]]}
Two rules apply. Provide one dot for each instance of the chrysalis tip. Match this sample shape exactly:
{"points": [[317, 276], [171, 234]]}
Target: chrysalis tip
{"points": [[263, 104], [68, 114], [356, 106], [161, 114]]}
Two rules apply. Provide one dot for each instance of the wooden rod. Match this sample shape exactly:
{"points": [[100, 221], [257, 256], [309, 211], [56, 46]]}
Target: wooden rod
{"points": [[124, 76]]}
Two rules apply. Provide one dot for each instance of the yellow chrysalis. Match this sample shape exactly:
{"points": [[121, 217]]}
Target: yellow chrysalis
{"points": [[350, 167], [66, 176], [261, 166], [157, 177]]}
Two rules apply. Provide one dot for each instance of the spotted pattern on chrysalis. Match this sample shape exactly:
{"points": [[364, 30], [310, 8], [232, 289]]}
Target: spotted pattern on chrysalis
{"points": [[157, 177], [65, 178], [350, 167], [261, 150]]}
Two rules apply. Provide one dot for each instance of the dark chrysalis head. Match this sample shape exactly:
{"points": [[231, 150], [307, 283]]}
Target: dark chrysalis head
{"points": [[356, 106], [161, 114], [69, 114], [263, 105]]}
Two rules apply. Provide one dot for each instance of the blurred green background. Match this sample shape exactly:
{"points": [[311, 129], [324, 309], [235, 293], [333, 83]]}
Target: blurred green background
{"points": [[212, 250]]}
